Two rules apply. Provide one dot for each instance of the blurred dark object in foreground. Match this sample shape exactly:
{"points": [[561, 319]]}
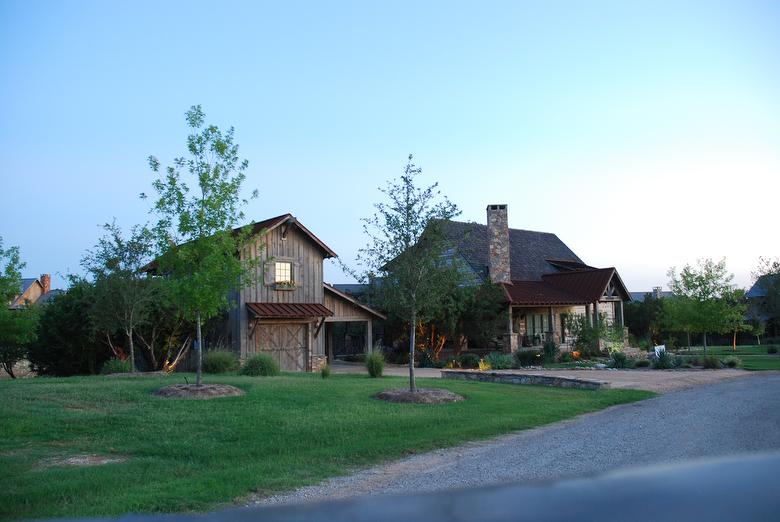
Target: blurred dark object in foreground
{"points": [[738, 488]]}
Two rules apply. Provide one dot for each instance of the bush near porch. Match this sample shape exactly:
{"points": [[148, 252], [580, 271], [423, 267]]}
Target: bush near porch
{"points": [[286, 432]]}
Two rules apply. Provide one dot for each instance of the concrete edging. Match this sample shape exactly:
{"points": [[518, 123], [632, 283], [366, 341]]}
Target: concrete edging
{"points": [[512, 377]]}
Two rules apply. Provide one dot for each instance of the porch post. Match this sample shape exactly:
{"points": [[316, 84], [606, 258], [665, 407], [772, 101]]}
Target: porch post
{"points": [[512, 336], [588, 315], [622, 317], [369, 337], [595, 313], [329, 341], [551, 323]]}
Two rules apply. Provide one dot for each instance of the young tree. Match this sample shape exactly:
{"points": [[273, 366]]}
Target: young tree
{"points": [[198, 250], [17, 327], [703, 289], [124, 292], [406, 250], [734, 314]]}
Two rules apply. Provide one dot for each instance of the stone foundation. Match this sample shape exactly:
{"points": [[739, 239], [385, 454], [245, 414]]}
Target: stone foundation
{"points": [[317, 362], [512, 377]]}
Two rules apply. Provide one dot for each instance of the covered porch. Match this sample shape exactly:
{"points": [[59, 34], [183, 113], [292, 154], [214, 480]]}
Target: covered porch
{"points": [[540, 310], [350, 331]]}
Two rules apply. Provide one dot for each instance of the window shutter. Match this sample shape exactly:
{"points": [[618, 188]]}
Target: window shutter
{"points": [[297, 272], [268, 270]]}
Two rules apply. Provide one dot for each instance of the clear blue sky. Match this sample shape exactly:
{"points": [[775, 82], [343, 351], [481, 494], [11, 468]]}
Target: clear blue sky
{"points": [[644, 134]]}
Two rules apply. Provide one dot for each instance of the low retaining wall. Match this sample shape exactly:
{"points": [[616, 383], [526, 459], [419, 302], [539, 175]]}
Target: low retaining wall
{"points": [[512, 377]]}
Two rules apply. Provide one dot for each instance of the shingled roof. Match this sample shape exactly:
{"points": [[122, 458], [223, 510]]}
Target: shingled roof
{"points": [[531, 254]]}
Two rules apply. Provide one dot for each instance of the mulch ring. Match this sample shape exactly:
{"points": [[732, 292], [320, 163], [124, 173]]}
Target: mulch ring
{"points": [[421, 396], [193, 391]]}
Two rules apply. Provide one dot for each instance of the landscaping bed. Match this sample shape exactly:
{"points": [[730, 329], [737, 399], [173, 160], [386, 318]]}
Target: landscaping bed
{"points": [[189, 455]]}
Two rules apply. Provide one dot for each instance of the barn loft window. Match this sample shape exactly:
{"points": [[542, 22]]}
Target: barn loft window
{"points": [[283, 272]]}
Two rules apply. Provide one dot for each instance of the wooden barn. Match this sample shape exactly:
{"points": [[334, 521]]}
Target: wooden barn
{"points": [[291, 313]]}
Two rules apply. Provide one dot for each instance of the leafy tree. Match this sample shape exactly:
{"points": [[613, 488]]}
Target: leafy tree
{"points": [[124, 292], [68, 343], [734, 310], [17, 327], [679, 315], [703, 289], [769, 305], [406, 250], [198, 205], [645, 319]]}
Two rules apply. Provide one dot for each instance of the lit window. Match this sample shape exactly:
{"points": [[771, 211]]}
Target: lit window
{"points": [[283, 272]]}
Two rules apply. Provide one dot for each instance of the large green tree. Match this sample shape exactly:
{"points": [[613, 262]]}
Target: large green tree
{"points": [[125, 293], [768, 271], [406, 252], [703, 292], [18, 327], [198, 205]]}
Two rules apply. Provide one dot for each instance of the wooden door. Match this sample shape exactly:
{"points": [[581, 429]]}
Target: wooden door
{"points": [[285, 342]]}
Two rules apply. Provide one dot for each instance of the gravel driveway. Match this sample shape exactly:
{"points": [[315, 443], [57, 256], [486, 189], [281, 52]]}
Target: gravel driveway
{"points": [[731, 417], [660, 381]]}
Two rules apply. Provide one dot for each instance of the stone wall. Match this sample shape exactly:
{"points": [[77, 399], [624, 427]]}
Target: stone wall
{"points": [[512, 377], [317, 362]]}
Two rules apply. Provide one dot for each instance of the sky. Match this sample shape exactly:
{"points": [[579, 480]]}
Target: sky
{"points": [[644, 134]]}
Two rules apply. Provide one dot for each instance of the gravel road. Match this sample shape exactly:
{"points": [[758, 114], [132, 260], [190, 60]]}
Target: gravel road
{"points": [[731, 417]]}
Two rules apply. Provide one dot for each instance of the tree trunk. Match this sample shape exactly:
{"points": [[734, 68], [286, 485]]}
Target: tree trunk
{"points": [[199, 354], [734, 342], [704, 336], [689, 339], [132, 349], [9, 369], [412, 335]]}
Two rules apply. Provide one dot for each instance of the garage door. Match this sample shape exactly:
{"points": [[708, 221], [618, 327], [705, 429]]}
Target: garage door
{"points": [[286, 343]]}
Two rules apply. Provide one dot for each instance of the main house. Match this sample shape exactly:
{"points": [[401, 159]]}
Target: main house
{"points": [[544, 281], [290, 312]]}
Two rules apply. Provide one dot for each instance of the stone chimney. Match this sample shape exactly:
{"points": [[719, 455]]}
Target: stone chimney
{"points": [[46, 282], [498, 253]]}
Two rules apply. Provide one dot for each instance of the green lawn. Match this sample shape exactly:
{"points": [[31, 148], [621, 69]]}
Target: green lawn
{"points": [[286, 432], [753, 357]]}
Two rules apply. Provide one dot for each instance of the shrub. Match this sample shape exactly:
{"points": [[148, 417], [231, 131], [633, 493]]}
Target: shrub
{"points": [[219, 361], [771, 350], [468, 360], [619, 360], [642, 363], [565, 357], [710, 362], [425, 360], [499, 361], [484, 365], [116, 365], [663, 361], [550, 350], [260, 365], [732, 362], [325, 371], [528, 358], [375, 364]]}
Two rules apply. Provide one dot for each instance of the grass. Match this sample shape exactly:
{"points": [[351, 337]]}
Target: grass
{"points": [[286, 432], [753, 357]]}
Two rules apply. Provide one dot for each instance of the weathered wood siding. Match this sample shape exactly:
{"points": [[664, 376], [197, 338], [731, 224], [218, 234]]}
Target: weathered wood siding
{"points": [[343, 310], [306, 258]]}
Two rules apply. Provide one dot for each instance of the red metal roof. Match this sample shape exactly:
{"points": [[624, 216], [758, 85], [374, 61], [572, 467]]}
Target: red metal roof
{"points": [[565, 288], [533, 293], [288, 310], [587, 284]]}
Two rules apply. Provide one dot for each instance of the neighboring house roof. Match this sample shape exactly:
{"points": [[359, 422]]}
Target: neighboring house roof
{"points": [[639, 297], [49, 296], [761, 286], [351, 299], [351, 288], [27, 282], [288, 310], [567, 288], [531, 254]]}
